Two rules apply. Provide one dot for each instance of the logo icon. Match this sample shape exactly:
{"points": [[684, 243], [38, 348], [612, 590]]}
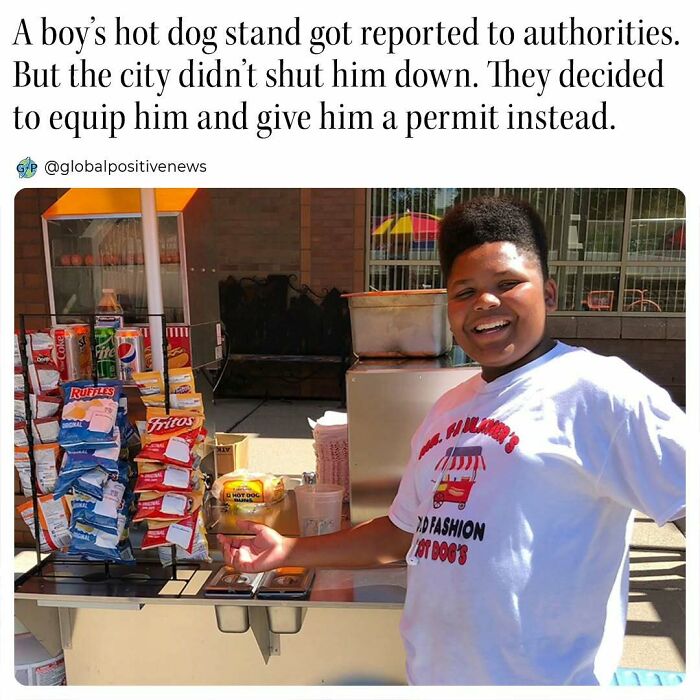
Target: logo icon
{"points": [[26, 168], [465, 460], [126, 352]]}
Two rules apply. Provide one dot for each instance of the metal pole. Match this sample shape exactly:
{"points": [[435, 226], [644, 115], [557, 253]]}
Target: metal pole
{"points": [[29, 427], [151, 260]]}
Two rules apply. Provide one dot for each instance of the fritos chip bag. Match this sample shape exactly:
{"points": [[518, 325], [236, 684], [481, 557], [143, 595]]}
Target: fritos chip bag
{"points": [[167, 479], [89, 414], [170, 439], [180, 533], [166, 506]]}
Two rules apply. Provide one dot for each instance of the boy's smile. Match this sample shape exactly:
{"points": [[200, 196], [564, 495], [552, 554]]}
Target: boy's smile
{"points": [[497, 306]]}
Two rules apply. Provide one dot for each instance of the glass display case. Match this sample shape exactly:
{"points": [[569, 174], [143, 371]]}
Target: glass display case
{"points": [[93, 240], [88, 255]]}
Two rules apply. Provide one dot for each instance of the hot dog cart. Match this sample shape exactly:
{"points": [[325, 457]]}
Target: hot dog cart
{"points": [[149, 624]]}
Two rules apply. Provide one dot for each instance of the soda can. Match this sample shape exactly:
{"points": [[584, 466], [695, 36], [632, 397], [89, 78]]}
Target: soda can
{"points": [[82, 330], [106, 353], [66, 352], [130, 353]]}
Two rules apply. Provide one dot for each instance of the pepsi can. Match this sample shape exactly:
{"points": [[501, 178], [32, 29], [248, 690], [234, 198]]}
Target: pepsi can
{"points": [[130, 353]]}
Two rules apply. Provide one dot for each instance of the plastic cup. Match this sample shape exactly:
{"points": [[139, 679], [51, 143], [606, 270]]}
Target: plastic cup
{"points": [[319, 508]]}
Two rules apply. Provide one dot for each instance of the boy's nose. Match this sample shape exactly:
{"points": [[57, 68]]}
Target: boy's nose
{"points": [[486, 300]]}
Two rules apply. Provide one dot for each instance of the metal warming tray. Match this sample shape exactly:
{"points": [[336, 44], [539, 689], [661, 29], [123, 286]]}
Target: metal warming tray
{"points": [[409, 323]]}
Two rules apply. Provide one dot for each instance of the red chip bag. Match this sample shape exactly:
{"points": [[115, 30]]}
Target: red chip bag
{"points": [[170, 439], [166, 506], [167, 480], [40, 348], [180, 532]]}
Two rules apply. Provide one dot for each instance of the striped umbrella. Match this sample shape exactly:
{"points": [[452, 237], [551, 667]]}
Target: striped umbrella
{"points": [[418, 228]]}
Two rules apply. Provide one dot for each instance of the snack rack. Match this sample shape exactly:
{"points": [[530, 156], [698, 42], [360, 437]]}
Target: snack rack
{"points": [[106, 573]]}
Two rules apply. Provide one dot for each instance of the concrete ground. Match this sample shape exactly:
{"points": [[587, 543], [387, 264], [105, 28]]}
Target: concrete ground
{"points": [[281, 442]]}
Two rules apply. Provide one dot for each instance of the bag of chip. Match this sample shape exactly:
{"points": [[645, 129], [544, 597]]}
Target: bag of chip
{"points": [[53, 522], [90, 414], [95, 544], [170, 439], [83, 466], [181, 380], [46, 460], [200, 547], [149, 382], [40, 348], [43, 378], [103, 512], [180, 532], [166, 506], [166, 479]]}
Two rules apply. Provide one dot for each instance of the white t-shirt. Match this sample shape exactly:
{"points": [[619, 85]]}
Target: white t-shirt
{"points": [[520, 494]]}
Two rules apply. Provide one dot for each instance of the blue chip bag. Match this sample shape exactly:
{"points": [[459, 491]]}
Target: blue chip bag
{"points": [[89, 415], [93, 544], [103, 513], [77, 465]]}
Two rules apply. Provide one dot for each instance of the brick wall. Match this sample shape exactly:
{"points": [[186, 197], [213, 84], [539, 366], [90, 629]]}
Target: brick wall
{"points": [[256, 231], [334, 233], [654, 346], [31, 289]]}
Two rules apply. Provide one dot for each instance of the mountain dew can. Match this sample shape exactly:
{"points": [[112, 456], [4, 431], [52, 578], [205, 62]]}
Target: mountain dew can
{"points": [[106, 353]]}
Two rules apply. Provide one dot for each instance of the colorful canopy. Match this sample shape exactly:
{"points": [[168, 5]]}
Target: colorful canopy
{"points": [[422, 228]]}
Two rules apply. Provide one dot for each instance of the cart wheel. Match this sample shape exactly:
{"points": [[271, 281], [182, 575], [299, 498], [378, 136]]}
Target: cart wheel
{"points": [[438, 500], [461, 506]]}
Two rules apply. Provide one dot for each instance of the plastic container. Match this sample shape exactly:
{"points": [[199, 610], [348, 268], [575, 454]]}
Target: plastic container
{"points": [[109, 310], [33, 664], [319, 508], [409, 323]]}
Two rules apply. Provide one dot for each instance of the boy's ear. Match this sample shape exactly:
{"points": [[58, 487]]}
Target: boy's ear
{"points": [[550, 295]]}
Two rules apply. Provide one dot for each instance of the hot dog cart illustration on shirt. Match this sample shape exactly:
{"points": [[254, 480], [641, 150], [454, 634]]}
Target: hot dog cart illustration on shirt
{"points": [[458, 468]]}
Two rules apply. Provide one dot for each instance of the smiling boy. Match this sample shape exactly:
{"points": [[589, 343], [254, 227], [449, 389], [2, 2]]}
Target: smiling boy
{"points": [[515, 509]]}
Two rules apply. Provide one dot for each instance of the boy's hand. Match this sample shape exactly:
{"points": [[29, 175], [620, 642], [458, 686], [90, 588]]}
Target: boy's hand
{"points": [[265, 550]]}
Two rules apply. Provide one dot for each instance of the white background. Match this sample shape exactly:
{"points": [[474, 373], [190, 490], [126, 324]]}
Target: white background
{"points": [[655, 144]]}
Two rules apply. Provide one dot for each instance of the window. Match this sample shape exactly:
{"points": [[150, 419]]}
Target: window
{"points": [[610, 250]]}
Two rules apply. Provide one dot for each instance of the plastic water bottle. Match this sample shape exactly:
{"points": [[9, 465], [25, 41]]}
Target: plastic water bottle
{"points": [[109, 311]]}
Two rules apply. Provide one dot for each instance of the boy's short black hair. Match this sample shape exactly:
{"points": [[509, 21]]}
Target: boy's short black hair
{"points": [[491, 220]]}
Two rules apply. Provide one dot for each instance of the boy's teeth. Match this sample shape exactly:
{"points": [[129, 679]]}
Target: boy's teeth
{"points": [[489, 326]]}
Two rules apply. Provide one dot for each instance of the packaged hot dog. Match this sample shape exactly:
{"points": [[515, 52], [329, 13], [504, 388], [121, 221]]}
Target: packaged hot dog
{"points": [[246, 489]]}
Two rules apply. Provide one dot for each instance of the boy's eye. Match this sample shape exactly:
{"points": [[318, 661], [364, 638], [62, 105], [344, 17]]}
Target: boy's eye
{"points": [[508, 284], [464, 293]]}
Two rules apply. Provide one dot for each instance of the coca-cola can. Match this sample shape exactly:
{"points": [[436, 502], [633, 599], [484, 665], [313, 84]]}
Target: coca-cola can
{"points": [[67, 352], [130, 353]]}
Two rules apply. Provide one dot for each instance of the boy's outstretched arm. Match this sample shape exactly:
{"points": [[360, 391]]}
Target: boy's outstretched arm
{"points": [[374, 542]]}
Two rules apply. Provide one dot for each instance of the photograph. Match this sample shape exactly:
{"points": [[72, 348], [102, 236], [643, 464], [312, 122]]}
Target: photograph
{"points": [[360, 436]]}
